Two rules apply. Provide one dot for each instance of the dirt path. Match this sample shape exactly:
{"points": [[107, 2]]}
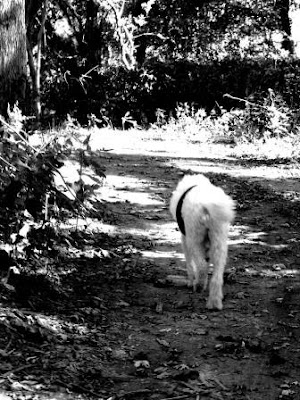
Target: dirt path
{"points": [[252, 347], [137, 336]]}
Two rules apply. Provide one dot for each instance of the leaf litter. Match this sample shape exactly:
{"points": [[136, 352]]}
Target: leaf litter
{"points": [[114, 325]]}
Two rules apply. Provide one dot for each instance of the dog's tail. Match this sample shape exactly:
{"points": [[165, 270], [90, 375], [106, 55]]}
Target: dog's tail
{"points": [[221, 209]]}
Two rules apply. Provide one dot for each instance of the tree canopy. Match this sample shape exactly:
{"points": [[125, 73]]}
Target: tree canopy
{"points": [[107, 58]]}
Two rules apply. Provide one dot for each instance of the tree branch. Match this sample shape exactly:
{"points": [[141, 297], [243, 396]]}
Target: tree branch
{"points": [[125, 36]]}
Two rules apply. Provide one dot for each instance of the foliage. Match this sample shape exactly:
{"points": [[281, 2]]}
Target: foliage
{"points": [[184, 52], [266, 118], [259, 119], [206, 31], [109, 94], [33, 203]]}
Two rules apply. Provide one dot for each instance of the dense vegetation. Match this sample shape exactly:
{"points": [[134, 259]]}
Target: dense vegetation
{"points": [[110, 58], [177, 86], [225, 67]]}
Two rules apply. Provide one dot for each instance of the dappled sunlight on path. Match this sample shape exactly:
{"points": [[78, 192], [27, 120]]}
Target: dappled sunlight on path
{"points": [[263, 252], [126, 312]]}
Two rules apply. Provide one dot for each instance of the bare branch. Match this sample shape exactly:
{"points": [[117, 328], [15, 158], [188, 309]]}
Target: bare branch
{"points": [[243, 100], [125, 36]]}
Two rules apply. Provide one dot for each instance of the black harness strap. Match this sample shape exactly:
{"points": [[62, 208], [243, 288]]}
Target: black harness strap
{"points": [[179, 218]]}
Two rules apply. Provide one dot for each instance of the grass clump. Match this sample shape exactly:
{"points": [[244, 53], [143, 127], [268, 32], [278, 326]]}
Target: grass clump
{"points": [[265, 128]]}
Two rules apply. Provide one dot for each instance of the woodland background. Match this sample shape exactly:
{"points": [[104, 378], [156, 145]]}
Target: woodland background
{"points": [[106, 59], [104, 104], [195, 69]]}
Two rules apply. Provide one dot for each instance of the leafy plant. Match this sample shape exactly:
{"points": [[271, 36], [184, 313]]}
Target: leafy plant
{"points": [[33, 203], [262, 119]]}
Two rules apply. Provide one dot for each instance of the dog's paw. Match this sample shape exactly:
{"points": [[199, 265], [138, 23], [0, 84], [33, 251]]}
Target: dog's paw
{"points": [[214, 303], [199, 284], [195, 285], [190, 283], [202, 281]]}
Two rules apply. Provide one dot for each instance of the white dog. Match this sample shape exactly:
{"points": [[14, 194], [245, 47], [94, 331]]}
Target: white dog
{"points": [[203, 213]]}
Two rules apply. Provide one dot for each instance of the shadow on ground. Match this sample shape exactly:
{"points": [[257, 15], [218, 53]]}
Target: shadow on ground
{"points": [[114, 327]]}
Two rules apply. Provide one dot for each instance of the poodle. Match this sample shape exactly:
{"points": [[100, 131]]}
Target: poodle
{"points": [[203, 213]]}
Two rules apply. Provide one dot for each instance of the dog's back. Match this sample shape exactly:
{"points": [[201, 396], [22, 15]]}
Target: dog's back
{"points": [[214, 203], [204, 213]]}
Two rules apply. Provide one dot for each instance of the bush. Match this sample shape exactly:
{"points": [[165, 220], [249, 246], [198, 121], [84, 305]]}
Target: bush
{"points": [[262, 118], [110, 93], [32, 202]]}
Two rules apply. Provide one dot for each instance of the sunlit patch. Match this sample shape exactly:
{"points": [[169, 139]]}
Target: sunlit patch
{"points": [[88, 225], [236, 170], [63, 28], [269, 272], [162, 254], [129, 189], [56, 325], [242, 235], [44, 325]]}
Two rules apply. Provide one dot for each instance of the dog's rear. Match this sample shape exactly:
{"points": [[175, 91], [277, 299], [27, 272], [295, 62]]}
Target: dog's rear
{"points": [[205, 212]]}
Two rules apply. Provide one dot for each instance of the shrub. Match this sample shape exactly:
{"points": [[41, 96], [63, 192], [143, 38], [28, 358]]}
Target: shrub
{"points": [[32, 203]]}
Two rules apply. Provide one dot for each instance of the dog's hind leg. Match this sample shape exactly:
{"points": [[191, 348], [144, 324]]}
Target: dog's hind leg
{"points": [[197, 267], [217, 255], [188, 261]]}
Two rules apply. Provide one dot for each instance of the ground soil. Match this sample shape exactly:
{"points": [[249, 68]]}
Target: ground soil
{"points": [[118, 327]]}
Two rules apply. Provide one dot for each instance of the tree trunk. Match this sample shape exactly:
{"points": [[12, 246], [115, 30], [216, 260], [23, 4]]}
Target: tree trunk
{"points": [[13, 58], [283, 8], [295, 23], [91, 34]]}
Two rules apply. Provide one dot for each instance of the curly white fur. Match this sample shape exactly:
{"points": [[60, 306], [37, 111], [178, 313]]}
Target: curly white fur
{"points": [[207, 213]]}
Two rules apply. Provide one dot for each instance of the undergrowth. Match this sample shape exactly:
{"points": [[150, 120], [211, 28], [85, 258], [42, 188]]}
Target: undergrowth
{"points": [[36, 197], [266, 127]]}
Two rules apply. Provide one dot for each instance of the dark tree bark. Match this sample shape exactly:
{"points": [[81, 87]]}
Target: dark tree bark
{"points": [[91, 36], [283, 7], [35, 61], [13, 57]]}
